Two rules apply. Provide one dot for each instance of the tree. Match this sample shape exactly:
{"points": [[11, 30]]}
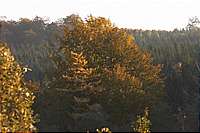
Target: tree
{"points": [[142, 125], [15, 98], [127, 79], [193, 23]]}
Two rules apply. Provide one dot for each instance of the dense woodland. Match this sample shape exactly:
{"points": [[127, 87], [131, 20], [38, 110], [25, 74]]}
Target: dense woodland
{"points": [[87, 74]]}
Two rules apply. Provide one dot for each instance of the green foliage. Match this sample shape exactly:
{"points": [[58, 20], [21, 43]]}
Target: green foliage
{"points": [[16, 98], [30, 42], [178, 52]]}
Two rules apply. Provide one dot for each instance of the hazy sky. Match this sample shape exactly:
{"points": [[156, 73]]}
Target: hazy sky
{"points": [[145, 14]]}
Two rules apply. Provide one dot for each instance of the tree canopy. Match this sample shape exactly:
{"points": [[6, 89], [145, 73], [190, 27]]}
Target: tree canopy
{"points": [[101, 62]]}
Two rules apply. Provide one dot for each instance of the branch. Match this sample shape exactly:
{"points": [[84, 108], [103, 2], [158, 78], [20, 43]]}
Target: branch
{"points": [[198, 68]]}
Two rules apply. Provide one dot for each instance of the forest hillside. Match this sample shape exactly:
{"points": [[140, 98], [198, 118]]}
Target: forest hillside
{"points": [[88, 74]]}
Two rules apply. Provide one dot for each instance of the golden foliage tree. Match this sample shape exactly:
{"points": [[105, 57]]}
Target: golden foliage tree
{"points": [[127, 79], [142, 124], [15, 98]]}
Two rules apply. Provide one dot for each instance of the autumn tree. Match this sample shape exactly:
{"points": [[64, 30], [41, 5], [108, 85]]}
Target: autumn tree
{"points": [[16, 98], [127, 79], [142, 125]]}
